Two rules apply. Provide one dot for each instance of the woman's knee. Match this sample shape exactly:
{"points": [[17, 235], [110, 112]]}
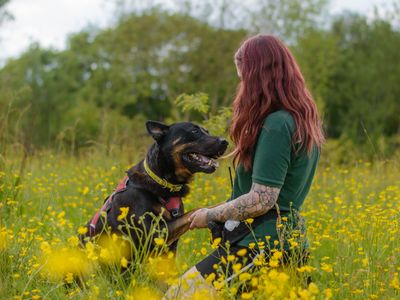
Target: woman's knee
{"points": [[188, 285]]}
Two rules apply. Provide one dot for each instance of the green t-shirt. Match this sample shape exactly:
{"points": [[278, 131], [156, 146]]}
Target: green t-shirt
{"points": [[275, 164]]}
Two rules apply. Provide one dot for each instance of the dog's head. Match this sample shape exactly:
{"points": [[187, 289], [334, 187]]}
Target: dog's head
{"points": [[190, 147]]}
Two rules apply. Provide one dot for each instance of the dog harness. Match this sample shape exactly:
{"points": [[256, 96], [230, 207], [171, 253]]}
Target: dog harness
{"points": [[172, 205]]}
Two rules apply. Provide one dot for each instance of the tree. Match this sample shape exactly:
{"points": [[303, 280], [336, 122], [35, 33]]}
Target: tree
{"points": [[364, 95], [4, 14]]}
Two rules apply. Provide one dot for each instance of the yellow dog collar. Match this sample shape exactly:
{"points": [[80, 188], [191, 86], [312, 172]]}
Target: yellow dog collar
{"points": [[162, 181]]}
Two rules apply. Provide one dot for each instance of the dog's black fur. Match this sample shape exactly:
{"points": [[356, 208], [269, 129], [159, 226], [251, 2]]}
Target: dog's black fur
{"points": [[170, 157]]}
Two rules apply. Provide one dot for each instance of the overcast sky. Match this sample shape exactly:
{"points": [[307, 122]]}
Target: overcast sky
{"points": [[50, 21]]}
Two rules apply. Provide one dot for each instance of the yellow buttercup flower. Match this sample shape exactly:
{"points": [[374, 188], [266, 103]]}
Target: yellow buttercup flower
{"points": [[159, 241], [124, 262], [241, 252], [246, 296], [231, 257], [215, 243], [326, 267], [244, 276], [277, 255], [249, 220], [394, 283], [273, 263], [237, 267], [82, 230], [69, 278], [73, 241], [85, 191], [218, 285], [328, 293], [210, 278], [64, 263], [123, 214]]}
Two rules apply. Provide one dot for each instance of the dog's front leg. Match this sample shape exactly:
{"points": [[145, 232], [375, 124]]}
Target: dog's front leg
{"points": [[178, 227]]}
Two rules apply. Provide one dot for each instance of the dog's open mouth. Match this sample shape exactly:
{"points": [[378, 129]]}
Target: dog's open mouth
{"points": [[202, 162]]}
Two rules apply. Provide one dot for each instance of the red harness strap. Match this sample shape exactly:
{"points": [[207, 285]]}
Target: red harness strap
{"points": [[120, 187], [173, 205]]}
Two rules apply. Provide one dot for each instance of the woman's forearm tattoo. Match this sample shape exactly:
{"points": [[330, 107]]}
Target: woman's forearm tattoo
{"points": [[257, 202]]}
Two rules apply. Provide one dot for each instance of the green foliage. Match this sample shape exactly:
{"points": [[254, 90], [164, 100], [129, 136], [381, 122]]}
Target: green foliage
{"points": [[172, 66], [288, 19], [122, 72], [217, 123], [4, 14], [197, 102], [363, 100], [317, 54]]}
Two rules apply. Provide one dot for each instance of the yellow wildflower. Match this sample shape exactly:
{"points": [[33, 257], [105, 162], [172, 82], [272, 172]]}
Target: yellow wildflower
{"points": [[216, 242], [73, 241], [159, 241], [124, 262], [210, 278], [328, 294], [82, 230], [85, 191], [218, 284], [277, 255], [124, 213], [241, 252], [244, 276], [69, 278], [247, 295], [326, 267], [394, 283], [231, 257], [237, 267], [273, 263]]}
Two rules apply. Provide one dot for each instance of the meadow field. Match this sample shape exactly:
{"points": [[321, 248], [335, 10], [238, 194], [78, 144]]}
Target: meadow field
{"points": [[72, 121], [351, 213]]}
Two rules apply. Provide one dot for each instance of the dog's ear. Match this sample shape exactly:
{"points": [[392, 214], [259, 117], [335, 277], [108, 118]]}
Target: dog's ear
{"points": [[156, 129]]}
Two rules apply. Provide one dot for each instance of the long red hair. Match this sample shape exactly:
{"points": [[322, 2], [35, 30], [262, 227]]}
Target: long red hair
{"points": [[270, 80]]}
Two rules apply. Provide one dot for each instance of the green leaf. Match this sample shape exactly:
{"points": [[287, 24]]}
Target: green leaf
{"points": [[196, 102]]}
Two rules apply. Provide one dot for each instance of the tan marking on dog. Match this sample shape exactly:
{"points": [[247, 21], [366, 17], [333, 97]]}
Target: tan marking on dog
{"points": [[176, 141], [181, 172]]}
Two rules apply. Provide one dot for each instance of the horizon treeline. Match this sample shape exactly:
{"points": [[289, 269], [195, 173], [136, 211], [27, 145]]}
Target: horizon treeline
{"points": [[107, 82]]}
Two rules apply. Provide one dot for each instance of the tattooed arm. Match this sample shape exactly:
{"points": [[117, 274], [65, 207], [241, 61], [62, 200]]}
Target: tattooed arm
{"points": [[257, 202]]}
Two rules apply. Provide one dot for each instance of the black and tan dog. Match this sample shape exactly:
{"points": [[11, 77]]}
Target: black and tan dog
{"points": [[157, 183]]}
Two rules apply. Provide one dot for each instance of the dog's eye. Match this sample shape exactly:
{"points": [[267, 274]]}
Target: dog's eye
{"points": [[195, 131]]}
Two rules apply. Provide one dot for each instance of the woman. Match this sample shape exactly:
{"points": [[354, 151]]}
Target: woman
{"points": [[278, 136]]}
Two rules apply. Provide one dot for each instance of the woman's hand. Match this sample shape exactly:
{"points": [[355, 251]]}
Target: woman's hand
{"points": [[199, 219]]}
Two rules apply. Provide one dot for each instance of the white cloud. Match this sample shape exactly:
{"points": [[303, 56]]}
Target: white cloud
{"points": [[50, 21]]}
